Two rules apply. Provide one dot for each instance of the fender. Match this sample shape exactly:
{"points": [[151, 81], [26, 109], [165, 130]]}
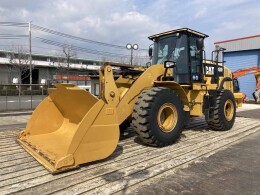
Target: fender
{"points": [[223, 81]]}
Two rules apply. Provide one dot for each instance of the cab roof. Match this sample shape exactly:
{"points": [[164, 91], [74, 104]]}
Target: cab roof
{"points": [[185, 30]]}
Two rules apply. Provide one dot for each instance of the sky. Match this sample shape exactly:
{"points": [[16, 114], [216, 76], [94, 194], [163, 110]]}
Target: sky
{"points": [[131, 21]]}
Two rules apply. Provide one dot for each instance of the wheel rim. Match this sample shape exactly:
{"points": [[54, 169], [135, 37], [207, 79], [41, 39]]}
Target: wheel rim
{"points": [[229, 110], [167, 117]]}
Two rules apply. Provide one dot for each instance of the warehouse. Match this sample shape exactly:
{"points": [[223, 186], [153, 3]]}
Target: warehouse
{"points": [[242, 53]]}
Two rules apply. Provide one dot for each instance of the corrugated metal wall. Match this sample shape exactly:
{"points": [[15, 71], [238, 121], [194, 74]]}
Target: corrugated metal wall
{"points": [[243, 59], [242, 44]]}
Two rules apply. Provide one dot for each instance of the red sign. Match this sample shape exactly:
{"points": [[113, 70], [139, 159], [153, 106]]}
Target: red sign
{"points": [[72, 77]]}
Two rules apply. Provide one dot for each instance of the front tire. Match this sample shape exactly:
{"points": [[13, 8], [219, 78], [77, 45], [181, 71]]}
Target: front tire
{"points": [[224, 114], [158, 116]]}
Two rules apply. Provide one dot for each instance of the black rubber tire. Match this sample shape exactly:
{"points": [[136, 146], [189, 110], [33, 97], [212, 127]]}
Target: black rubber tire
{"points": [[219, 121], [145, 116]]}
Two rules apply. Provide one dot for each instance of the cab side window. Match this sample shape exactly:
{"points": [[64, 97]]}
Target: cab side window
{"points": [[195, 59]]}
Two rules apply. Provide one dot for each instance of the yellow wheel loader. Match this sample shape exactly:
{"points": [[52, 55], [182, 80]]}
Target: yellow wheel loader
{"points": [[71, 126]]}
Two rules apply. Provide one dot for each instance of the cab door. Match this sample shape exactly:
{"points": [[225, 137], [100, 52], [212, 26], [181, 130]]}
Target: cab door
{"points": [[181, 71], [195, 56]]}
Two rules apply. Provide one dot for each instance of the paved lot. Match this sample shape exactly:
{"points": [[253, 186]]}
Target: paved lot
{"points": [[246, 107], [250, 114], [234, 170], [202, 162], [9, 120]]}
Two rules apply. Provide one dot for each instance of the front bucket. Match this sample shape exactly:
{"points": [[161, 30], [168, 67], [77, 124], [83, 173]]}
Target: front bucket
{"points": [[70, 127]]}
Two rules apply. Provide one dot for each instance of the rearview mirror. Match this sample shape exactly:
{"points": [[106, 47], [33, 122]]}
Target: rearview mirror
{"points": [[169, 64]]}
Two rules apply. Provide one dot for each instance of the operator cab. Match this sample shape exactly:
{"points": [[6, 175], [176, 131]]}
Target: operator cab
{"points": [[183, 47]]}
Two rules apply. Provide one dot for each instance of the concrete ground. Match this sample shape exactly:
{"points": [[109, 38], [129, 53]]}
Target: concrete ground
{"points": [[255, 114], [13, 122], [235, 170], [224, 163]]}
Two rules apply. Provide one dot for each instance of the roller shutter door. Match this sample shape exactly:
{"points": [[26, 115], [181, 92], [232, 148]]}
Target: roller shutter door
{"points": [[243, 59]]}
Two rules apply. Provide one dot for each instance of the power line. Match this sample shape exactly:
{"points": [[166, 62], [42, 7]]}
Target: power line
{"points": [[36, 27], [81, 49], [45, 48], [73, 37], [58, 44]]}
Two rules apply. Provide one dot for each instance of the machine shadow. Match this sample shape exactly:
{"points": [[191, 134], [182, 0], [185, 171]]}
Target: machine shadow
{"points": [[199, 126]]}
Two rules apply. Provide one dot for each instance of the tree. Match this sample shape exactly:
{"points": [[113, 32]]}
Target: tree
{"points": [[68, 53], [62, 61], [19, 62]]}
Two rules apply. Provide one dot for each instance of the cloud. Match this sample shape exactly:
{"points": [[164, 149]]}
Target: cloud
{"points": [[201, 12], [120, 22]]}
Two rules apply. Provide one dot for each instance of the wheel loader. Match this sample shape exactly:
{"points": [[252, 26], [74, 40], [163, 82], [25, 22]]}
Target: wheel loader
{"points": [[71, 126]]}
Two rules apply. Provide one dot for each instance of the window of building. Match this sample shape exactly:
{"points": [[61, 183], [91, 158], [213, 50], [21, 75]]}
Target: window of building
{"points": [[81, 82]]}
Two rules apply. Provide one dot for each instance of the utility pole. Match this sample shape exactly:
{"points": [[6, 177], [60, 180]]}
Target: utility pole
{"points": [[30, 54], [131, 56]]}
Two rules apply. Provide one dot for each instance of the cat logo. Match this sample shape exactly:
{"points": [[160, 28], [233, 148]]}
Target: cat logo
{"points": [[209, 70]]}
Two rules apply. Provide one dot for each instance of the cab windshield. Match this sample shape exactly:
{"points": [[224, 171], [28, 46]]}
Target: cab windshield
{"points": [[164, 49], [172, 48]]}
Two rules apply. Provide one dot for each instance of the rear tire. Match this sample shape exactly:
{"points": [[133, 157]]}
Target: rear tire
{"points": [[224, 114], [158, 116]]}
